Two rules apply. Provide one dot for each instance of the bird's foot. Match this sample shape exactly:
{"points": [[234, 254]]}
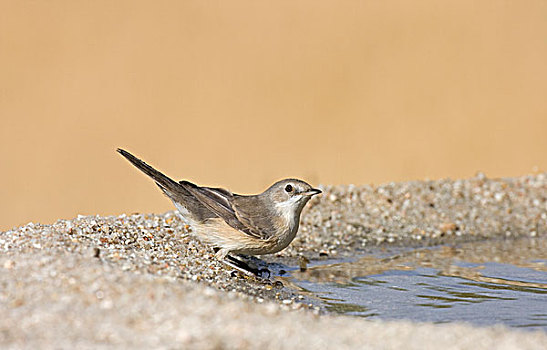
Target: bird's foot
{"points": [[243, 267]]}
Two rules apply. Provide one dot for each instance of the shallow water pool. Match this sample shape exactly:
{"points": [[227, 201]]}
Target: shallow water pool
{"points": [[483, 283]]}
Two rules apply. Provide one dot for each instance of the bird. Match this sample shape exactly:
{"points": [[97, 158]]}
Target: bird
{"points": [[235, 224]]}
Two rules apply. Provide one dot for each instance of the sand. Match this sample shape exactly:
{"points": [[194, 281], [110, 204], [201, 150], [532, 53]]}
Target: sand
{"points": [[143, 280]]}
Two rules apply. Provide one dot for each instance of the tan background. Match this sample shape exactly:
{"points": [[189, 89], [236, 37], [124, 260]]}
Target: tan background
{"points": [[242, 93]]}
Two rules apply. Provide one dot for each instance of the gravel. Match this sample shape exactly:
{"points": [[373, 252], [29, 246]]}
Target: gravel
{"points": [[346, 219], [143, 281]]}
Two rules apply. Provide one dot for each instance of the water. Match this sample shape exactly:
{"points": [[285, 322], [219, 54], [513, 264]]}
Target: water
{"points": [[486, 283]]}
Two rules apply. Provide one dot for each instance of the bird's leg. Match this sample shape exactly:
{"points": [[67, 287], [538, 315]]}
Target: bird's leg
{"points": [[239, 265]]}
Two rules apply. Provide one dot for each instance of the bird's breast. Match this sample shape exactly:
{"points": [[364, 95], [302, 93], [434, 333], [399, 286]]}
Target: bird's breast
{"points": [[286, 226]]}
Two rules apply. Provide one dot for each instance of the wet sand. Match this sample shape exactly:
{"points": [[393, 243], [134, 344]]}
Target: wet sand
{"points": [[144, 281]]}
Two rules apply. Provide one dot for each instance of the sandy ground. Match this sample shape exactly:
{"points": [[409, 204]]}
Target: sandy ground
{"points": [[143, 281]]}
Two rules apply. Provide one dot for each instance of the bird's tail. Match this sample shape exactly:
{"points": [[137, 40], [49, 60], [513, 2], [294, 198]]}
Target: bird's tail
{"points": [[164, 182]]}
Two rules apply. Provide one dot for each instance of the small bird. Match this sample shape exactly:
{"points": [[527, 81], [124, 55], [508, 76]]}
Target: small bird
{"points": [[265, 223]]}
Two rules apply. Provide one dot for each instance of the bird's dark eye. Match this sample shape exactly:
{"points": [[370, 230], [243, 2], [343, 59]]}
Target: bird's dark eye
{"points": [[288, 188]]}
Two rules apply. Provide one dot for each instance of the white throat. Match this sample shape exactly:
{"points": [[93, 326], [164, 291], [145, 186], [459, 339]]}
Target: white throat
{"points": [[290, 210]]}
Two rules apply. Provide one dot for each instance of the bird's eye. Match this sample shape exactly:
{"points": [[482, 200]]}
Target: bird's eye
{"points": [[288, 188]]}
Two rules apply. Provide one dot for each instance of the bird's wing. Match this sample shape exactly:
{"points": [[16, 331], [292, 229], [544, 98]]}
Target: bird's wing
{"points": [[219, 201], [252, 212]]}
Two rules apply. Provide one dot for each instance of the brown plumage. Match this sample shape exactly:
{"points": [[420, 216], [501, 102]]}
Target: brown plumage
{"points": [[258, 224]]}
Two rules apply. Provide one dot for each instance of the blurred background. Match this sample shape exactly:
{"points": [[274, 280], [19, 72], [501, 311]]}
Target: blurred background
{"points": [[242, 93]]}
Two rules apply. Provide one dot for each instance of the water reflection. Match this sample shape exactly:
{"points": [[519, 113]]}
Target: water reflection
{"points": [[486, 282]]}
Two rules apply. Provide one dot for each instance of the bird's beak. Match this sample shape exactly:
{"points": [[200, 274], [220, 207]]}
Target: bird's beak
{"points": [[311, 192]]}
